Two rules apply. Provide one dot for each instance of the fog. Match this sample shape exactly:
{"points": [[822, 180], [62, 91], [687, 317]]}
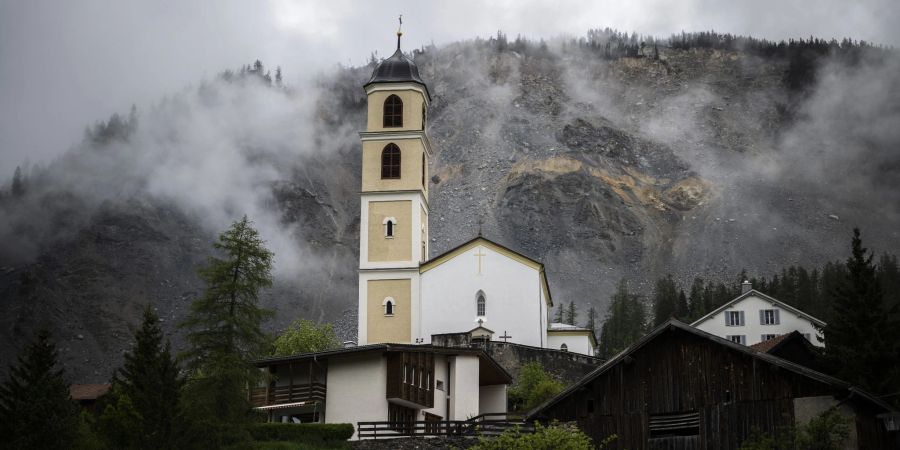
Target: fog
{"points": [[64, 65]]}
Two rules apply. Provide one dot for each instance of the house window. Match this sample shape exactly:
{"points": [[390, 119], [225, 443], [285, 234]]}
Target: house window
{"points": [[767, 337], [393, 112], [564, 347], [734, 318], [388, 304], [428, 381], [412, 375], [406, 373], [769, 317], [737, 339], [480, 304], [439, 385], [390, 162]]}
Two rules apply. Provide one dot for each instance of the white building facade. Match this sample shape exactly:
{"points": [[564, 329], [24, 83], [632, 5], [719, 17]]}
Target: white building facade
{"points": [[754, 317], [571, 338]]}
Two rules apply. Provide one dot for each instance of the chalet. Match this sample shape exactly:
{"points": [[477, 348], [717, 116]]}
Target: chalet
{"points": [[398, 383], [87, 394], [754, 317], [683, 388]]}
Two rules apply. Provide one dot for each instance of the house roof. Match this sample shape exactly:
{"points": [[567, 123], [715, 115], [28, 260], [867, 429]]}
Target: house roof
{"points": [[88, 391], [675, 325], [506, 251], [755, 293], [771, 344], [486, 363]]}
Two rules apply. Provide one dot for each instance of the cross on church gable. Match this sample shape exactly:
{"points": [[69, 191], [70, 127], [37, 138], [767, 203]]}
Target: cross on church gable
{"points": [[479, 254]]}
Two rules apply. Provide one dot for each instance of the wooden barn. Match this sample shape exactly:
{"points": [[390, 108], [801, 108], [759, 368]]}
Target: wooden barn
{"points": [[682, 388]]}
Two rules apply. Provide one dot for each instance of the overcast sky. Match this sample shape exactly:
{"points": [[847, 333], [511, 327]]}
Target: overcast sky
{"points": [[66, 63]]}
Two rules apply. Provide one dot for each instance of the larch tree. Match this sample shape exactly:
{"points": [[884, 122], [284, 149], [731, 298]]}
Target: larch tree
{"points": [[36, 410], [144, 409], [224, 325], [861, 338]]}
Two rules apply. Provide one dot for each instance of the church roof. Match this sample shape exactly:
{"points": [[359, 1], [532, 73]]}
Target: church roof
{"points": [[397, 69], [480, 240], [755, 293]]}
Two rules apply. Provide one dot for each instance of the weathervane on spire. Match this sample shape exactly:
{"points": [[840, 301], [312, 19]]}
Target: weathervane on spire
{"points": [[399, 30]]}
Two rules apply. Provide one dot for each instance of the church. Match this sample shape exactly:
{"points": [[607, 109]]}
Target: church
{"points": [[405, 296], [425, 324]]}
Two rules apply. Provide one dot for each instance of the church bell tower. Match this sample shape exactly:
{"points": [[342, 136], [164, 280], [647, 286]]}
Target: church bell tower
{"points": [[393, 232]]}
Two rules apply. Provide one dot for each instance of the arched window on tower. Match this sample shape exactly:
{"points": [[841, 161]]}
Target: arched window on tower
{"points": [[388, 304], [480, 304], [390, 162], [390, 225], [393, 112]]}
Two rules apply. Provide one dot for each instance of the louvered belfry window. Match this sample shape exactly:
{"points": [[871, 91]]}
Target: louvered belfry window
{"points": [[390, 161], [393, 112]]}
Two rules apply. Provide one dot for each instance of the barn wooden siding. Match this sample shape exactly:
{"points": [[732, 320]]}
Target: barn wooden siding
{"points": [[679, 372]]}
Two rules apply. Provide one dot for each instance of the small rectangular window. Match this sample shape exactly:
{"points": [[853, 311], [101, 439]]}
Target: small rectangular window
{"points": [[734, 318], [737, 339], [674, 424], [767, 337], [439, 385]]}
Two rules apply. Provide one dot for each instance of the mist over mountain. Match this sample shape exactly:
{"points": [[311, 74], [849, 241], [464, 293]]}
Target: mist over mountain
{"points": [[604, 157]]}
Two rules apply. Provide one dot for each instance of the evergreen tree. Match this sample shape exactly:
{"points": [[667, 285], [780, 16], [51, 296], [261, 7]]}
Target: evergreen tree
{"points": [[278, 76], [862, 336], [591, 320], [560, 312], [144, 410], [681, 307], [625, 321], [696, 300], [18, 183], [571, 313], [36, 411], [665, 300], [224, 325]]}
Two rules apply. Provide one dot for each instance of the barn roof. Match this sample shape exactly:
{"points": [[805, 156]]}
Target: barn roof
{"points": [[676, 326], [88, 391]]}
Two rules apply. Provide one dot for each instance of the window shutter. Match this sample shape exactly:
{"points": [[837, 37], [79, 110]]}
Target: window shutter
{"points": [[742, 318], [762, 317], [728, 318], [777, 319], [743, 340]]}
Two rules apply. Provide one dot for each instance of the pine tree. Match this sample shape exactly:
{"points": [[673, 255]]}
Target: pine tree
{"points": [[144, 410], [625, 321], [278, 76], [591, 320], [224, 325], [36, 411], [560, 312], [665, 300], [571, 313], [862, 336], [681, 307], [18, 183], [696, 299]]}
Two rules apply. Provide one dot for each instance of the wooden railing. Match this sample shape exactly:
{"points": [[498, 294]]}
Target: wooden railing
{"points": [[482, 425], [277, 395]]}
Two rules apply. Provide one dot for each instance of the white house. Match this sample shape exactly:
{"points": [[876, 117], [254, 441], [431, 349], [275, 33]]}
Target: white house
{"points": [[381, 382], [571, 338], [755, 317]]}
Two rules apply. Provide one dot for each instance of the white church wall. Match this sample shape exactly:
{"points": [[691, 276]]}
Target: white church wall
{"points": [[464, 389], [356, 390], [440, 396], [752, 330], [514, 299], [576, 343], [492, 399]]}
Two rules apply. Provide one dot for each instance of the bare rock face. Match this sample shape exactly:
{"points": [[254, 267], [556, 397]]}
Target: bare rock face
{"points": [[700, 163]]}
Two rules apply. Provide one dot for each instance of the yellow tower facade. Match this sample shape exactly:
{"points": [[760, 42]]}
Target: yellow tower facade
{"points": [[393, 235]]}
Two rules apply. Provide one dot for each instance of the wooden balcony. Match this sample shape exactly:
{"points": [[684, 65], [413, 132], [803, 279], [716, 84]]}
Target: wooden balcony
{"points": [[277, 395]]}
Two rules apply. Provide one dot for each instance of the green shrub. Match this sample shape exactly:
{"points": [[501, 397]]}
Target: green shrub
{"points": [[553, 437], [301, 432], [533, 387]]}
